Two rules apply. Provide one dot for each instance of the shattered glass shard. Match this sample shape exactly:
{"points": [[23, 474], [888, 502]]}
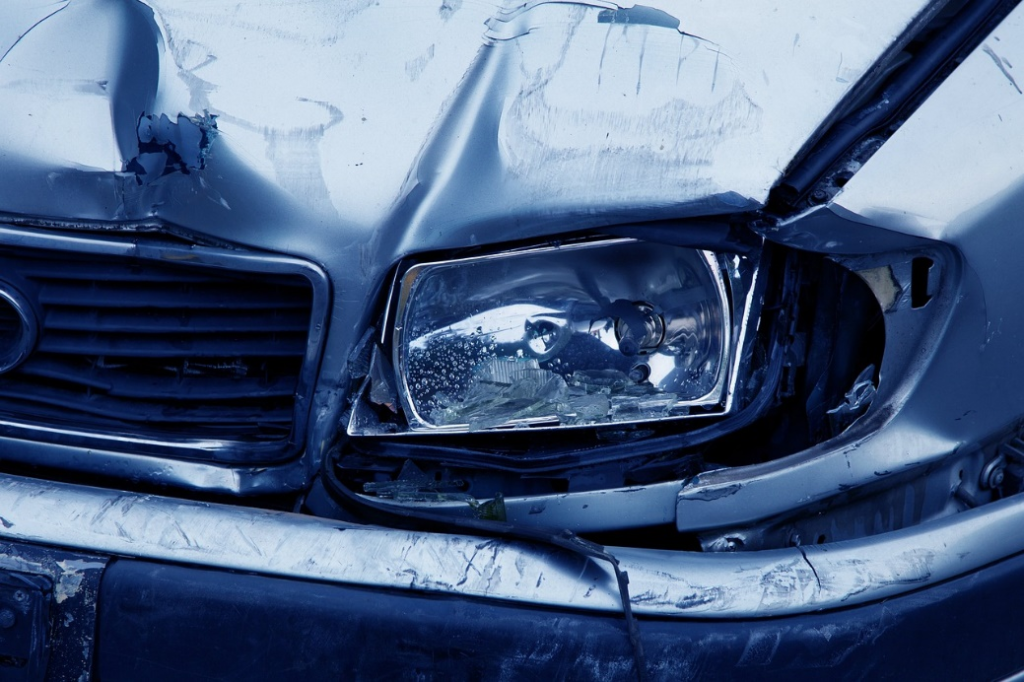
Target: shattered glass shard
{"points": [[504, 390]]}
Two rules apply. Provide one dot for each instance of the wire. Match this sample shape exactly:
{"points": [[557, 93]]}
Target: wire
{"points": [[563, 539]]}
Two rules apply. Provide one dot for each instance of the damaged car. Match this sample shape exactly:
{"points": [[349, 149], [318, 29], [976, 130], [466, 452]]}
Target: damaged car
{"points": [[574, 339]]}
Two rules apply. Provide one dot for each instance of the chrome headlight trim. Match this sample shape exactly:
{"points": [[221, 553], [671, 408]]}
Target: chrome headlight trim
{"points": [[734, 280], [710, 397]]}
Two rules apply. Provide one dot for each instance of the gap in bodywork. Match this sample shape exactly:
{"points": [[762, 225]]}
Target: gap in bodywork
{"points": [[842, 335], [896, 500], [828, 377]]}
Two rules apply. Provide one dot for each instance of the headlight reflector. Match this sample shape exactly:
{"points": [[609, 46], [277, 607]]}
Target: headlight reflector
{"points": [[589, 333]]}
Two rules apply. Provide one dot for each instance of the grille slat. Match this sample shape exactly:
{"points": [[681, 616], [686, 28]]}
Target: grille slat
{"points": [[227, 380], [116, 271], [166, 322], [162, 349], [172, 346], [144, 412], [191, 296]]}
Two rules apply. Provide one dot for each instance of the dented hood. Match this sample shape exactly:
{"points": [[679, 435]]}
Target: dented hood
{"points": [[424, 124], [356, 133]]}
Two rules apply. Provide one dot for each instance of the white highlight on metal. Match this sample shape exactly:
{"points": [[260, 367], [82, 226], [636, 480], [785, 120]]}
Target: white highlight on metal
{"points": [[664, 583]]}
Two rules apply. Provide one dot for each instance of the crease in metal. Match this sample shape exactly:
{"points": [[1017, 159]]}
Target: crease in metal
{"points": [[62, 5], [662, 583]]}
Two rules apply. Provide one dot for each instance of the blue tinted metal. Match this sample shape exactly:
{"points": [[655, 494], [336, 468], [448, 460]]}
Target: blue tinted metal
{"points": [[180, 350]]}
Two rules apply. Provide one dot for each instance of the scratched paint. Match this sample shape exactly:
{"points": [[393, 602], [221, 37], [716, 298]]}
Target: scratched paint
{"points": [[528, 121], [72, 573], [597, 113]]}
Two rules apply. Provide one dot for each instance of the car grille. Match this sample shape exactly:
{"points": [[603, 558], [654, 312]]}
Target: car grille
{"points": [[194, 352]]}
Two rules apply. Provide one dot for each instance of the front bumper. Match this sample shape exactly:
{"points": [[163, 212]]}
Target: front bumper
{"points": [[172, 622], [244, 594]]}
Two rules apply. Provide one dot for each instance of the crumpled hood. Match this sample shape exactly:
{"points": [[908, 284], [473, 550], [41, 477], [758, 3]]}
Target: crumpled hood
{"points": [[426, 124], [355, 133]]}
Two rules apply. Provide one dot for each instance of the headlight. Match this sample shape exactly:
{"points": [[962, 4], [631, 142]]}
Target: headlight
{"points": [[589, 333]]}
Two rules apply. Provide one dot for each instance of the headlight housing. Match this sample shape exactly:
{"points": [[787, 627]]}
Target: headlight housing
{"points": [[610, 331]]}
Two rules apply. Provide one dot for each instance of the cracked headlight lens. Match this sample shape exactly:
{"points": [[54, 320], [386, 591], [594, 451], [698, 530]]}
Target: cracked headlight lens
{"points": [[592, 333]]}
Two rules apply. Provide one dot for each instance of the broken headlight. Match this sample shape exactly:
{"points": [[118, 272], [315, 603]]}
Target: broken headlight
{"points": [[590, 333]]}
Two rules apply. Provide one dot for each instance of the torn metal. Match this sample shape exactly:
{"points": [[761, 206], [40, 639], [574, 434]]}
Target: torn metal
{"points": [[672, 584], [858, 397], [940, 422], [622, 112], [167, 146], [48, 606]]}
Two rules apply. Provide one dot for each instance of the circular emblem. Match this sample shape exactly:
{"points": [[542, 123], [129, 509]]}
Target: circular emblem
{"points": [[19, 327]]}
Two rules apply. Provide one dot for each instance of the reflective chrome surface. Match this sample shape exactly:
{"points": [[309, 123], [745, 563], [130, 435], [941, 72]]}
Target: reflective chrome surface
{"points": [[613, 331], [19, 328], [119, 452]]}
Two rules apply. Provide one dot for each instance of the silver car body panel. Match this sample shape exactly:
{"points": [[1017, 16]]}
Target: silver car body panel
{"points": [[662, 583], [497, 122], [937, 406], [508, 103]]}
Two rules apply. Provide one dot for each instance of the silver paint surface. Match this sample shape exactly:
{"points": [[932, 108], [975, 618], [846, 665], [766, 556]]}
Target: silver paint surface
{"points": [[502, 123], [951, 175], [354, 135], [663, 583]]}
